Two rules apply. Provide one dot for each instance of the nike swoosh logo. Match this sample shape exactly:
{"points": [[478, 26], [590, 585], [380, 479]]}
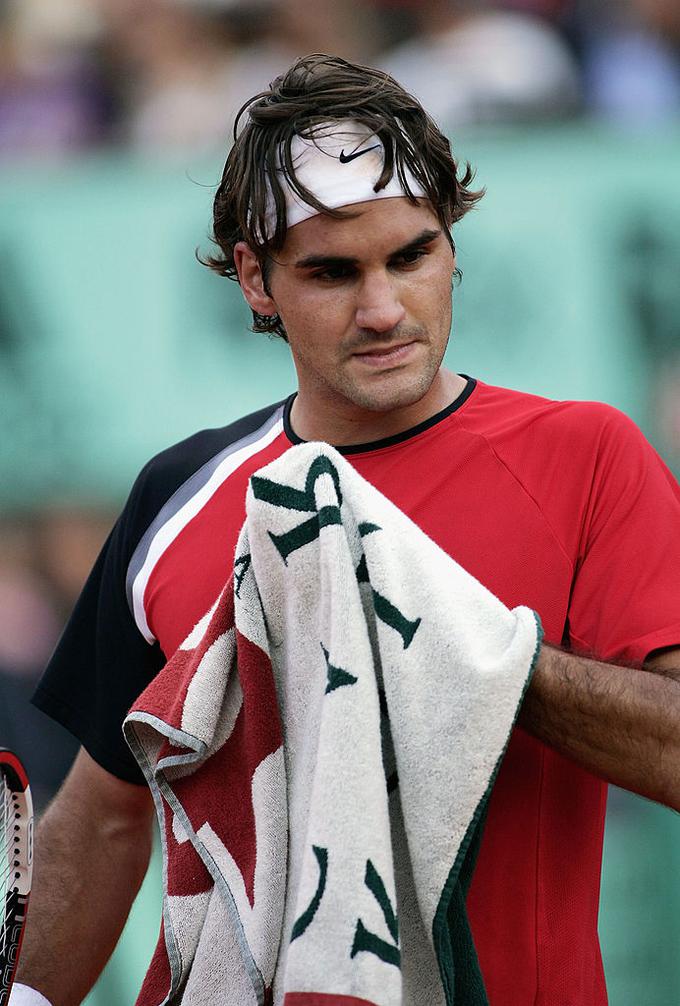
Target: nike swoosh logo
{"points": [[346, 158]]}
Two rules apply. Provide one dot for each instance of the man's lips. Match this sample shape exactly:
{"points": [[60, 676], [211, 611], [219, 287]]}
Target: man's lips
{"points": [[380, 355]]}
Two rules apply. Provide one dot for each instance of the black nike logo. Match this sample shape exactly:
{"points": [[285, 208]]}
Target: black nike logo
{"points": [[346, 158]]}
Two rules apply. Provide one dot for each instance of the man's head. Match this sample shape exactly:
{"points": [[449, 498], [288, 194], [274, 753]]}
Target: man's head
{"points": [[252, 203], [334, 214]]}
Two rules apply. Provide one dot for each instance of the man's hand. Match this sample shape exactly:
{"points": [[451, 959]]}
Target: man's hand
{"points": [[91, 854], [620, 723]]}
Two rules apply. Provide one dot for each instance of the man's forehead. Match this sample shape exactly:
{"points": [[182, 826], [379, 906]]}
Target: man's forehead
{"points": [[373, 227]]}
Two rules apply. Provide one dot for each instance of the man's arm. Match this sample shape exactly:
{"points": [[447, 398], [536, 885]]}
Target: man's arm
{"points": [[620, 723], [92, 851]]}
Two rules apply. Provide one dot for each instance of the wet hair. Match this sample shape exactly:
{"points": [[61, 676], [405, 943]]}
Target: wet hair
{"points": [[318, 89]]}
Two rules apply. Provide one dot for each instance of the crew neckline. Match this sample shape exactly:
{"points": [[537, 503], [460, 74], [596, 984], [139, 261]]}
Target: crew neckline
{"points": [[396, 438]]}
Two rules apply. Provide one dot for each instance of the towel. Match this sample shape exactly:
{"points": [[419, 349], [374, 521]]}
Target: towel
{"points": [[321, 749]]}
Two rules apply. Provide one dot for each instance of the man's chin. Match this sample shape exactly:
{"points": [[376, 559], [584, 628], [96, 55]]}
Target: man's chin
{"points": [[390, 395]]}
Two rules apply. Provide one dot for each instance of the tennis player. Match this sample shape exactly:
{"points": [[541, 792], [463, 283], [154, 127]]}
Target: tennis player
{"points": [[334, 214]]}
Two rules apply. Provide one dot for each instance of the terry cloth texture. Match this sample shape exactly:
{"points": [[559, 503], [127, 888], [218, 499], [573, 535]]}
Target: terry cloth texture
{"points": [[320, 751]]}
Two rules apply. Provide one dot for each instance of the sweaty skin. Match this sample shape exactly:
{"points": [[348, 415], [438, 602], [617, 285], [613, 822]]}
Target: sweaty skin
{"points": [[620, 723], [366, 302]]}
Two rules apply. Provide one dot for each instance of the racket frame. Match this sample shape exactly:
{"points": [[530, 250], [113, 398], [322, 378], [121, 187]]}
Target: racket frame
{"points": [[19, 864]]}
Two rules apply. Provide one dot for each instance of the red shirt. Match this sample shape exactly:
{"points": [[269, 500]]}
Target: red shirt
{"points": [[561, 506]]}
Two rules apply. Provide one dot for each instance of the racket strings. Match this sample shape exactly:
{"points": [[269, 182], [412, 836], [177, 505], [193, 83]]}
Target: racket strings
{"points": [[9, 832], [16, 841], [9, 857]]}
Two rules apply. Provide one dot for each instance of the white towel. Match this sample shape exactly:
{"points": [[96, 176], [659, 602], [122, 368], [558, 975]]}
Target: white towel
{"points": [[321, 750]]}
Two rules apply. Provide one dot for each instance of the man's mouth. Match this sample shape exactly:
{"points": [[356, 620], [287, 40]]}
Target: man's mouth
{"points": [[379, 356]]}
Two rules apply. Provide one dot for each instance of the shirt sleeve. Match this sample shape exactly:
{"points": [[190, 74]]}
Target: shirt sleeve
{"points": [[102, 662], [626, 593]]}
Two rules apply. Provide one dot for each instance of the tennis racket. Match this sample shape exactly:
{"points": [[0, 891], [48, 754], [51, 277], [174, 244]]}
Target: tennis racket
{"points": [[16, 862]]}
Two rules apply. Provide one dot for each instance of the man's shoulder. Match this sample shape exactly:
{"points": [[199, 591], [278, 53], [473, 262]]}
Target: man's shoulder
{"points": [[183, 458], [545, 442], [503, 412], [174, 467]]}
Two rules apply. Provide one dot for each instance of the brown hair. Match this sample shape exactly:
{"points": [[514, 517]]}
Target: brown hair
{"points": [[314, 90]]}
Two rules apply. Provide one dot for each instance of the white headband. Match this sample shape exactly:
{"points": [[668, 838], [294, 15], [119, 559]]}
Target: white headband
{"points": [[340, 163]]}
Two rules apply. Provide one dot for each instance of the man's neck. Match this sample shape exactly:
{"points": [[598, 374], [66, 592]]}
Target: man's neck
{"points": [[358, 426]]}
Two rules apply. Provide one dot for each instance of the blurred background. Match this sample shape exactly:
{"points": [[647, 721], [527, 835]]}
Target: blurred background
{"points": [[115, 119]]}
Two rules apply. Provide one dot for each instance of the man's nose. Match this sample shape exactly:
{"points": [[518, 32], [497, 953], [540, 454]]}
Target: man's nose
{"points": [[379, 307]]}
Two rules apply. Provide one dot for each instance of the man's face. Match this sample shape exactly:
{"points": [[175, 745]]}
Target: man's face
{"points": [[366, 303]]}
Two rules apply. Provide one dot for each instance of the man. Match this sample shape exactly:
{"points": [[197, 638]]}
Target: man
{"points": [[334, 213]]}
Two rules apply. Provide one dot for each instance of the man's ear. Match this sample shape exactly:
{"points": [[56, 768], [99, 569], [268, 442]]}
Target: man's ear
{"points": [[251, 280]]}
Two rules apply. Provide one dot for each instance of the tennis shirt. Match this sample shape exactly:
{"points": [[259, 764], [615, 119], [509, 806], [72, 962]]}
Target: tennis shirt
{"points": [[561, 506]]}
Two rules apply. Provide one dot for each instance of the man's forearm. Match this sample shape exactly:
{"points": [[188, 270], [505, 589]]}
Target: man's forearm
{"points": [[620, 723], [88, 868]]}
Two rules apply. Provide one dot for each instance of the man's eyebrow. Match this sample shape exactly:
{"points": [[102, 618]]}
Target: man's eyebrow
{"points": [[326, 261], [424, 238], [314, 261]]}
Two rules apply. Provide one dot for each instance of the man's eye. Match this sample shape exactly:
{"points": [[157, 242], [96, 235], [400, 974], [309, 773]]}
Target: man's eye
{"points": [[411, 257], [333, 273]]}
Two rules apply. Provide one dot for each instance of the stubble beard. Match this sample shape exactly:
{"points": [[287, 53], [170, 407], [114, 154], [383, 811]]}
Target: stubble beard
{"points": [[395, 389], [400, 389]]}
